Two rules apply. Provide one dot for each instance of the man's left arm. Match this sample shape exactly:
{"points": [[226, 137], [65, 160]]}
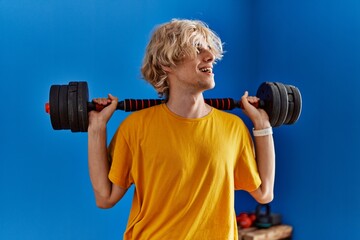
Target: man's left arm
{"points": [[264, 149]]}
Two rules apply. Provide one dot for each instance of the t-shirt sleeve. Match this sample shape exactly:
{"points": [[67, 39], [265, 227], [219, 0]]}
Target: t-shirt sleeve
{"points": [[246, 172], [121, 161]]}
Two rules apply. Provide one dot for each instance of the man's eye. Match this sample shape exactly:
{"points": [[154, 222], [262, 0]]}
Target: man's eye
{"points": [[199, 49]]}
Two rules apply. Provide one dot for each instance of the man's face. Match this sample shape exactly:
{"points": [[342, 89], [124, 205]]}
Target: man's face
{"points": [[195, 73]]}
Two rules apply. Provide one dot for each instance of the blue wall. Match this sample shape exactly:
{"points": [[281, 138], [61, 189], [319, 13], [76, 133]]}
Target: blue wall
{"points": [[44, 182], [316, 46]]}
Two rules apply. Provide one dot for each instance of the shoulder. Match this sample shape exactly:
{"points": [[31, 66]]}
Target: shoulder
{"points": [[142, 116], [229, 120], [226, 116]]}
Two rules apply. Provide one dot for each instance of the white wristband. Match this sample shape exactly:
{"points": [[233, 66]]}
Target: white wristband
{"points": [[262, 132]]}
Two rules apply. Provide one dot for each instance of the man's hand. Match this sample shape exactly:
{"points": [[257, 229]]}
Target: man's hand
{"points": [[100, 119], [258, 116]]}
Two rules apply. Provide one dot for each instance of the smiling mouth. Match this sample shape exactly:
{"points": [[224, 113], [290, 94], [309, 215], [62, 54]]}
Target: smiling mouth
{"points": [[206, 70]]}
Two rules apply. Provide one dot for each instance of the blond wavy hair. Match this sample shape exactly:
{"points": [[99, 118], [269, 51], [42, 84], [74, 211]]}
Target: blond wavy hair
{"points": [[170, 43]]}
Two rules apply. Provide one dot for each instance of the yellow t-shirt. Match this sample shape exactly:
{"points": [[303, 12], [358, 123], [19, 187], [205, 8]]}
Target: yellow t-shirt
{"points": [[185, 172]]}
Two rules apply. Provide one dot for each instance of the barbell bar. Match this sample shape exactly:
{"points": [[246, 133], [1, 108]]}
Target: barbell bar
{"points": [[69, 105]]}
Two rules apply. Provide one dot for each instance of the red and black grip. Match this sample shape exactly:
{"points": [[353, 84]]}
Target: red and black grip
{"points": [[131, 105], [222, 103]]}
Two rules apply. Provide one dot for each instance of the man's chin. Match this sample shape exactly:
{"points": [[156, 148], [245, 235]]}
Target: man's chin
{"points": [[207, 85], [211, 84]]}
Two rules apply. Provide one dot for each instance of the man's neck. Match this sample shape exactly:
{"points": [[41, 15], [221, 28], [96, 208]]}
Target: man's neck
{"points": [[189, 106]]}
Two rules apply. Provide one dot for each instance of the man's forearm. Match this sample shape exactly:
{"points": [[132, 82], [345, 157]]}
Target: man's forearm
{"points": [[265, 157], [98, 162]]}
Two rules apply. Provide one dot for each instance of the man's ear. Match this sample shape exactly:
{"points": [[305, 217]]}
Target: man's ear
{"points": [[166, 69]]}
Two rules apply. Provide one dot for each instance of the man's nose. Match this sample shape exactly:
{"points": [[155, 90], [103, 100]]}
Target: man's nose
{"points": [[208, 56]]}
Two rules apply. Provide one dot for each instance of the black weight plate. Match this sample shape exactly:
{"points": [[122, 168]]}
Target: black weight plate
{"points": [[72, 106], [283, 103], [63, 107], [297, 105], [269, 93], [54, 107], [290, 104], [83, 98]]}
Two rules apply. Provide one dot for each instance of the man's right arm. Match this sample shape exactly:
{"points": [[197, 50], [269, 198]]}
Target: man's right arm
{"points": [[107, 194]]}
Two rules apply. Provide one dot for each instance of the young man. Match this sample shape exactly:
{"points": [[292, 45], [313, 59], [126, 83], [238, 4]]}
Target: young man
{"points": [[184, 157]]}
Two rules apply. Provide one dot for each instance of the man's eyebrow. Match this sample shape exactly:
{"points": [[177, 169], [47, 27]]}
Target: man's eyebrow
{"points": [[200, 45]]}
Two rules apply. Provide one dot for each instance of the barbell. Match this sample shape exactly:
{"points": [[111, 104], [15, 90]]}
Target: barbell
{"points": [[69, 105]]}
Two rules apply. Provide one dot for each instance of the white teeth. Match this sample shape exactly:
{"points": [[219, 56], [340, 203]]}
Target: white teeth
{"points": [[208, 70]]}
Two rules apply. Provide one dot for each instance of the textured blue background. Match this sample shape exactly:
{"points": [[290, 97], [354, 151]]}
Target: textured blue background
{"points": [[314, 45]]}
